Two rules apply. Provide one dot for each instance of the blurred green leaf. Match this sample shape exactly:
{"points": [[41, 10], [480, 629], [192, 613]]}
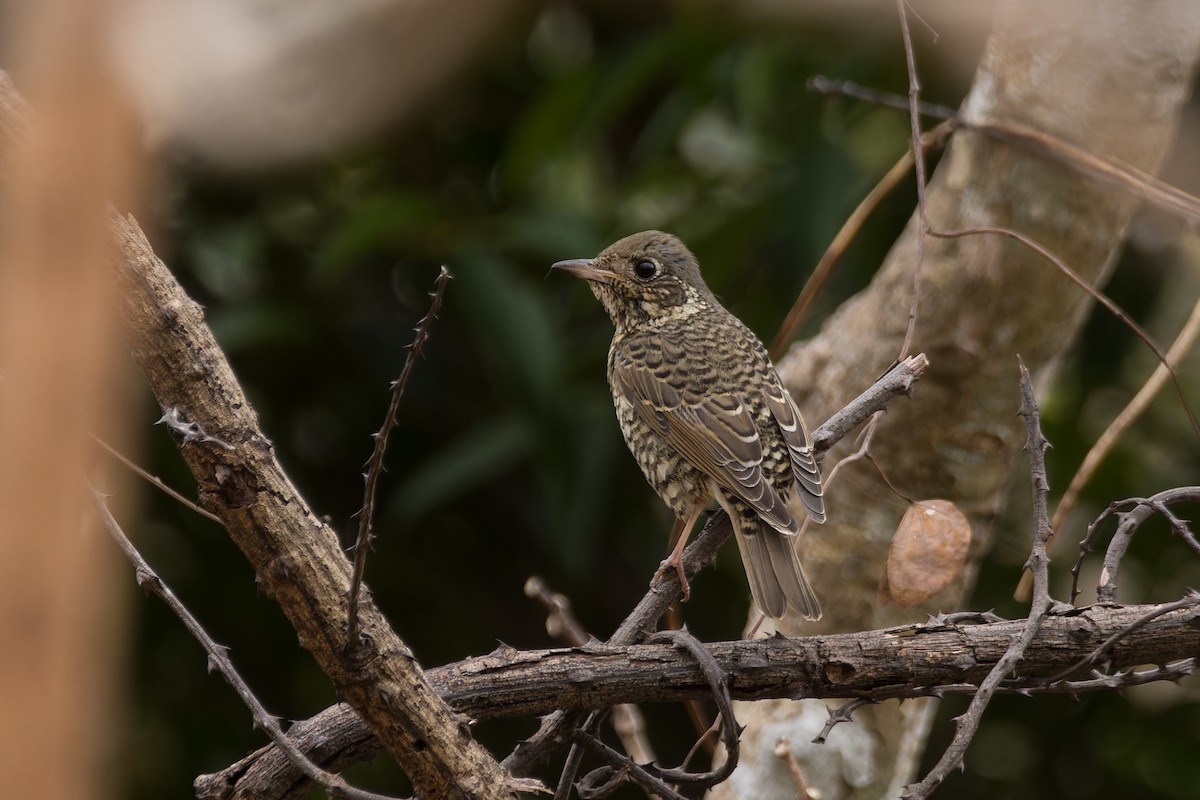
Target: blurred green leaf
{"points": [[469, 460]]}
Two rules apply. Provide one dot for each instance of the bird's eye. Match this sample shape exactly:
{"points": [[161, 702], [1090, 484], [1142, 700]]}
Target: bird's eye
{"points": [[645, 269]]}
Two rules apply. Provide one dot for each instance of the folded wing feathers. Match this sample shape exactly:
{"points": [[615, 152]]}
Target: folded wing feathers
{"points": [[804, 464]]}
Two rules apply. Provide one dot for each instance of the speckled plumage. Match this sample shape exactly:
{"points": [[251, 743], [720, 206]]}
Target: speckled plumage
{"points": [[703, 410]]}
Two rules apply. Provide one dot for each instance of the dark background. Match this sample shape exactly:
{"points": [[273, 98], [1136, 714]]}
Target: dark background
{"points": [[578, 125]]}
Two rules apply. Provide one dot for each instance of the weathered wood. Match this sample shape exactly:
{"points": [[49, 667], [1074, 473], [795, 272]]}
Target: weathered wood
{"points": [[297, 558], [900, 662]]}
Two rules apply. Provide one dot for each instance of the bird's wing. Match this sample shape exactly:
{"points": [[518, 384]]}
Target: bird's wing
{"points": [[714, 433], [804, 463]]}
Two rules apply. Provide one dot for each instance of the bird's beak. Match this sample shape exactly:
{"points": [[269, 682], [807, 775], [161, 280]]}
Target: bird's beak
{"points": [[585, 268]]}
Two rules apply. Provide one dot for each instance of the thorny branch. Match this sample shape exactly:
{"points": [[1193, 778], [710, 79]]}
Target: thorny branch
{"points": [[148, 579], [1128, 523], [366, 514], [947, 655], [1192, 598], [1039, 565]]}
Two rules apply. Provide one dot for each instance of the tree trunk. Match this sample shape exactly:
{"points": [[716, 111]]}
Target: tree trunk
{"points": [[1108, 77]]}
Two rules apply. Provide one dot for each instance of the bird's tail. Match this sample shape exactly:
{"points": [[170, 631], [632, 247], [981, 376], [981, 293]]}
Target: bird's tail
{"points": [[773, 569]]}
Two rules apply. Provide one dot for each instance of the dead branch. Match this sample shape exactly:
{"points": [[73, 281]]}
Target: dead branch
{"points": [[366, 514], [909, 661], [1127, 525], [297, 558], [1039, 609], [218, 658]]}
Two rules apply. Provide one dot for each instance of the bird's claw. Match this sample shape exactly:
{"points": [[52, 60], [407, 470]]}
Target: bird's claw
{"points": [[674, 562]]}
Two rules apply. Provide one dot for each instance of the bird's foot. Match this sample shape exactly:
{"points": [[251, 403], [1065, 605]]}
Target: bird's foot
{"points": [[674, 562]]}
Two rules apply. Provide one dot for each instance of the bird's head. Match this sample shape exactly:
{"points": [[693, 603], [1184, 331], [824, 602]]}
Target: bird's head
{"points": [[642, 278]]}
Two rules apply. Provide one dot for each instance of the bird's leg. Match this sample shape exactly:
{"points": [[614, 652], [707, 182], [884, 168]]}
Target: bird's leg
{"points": [[675, 560]]}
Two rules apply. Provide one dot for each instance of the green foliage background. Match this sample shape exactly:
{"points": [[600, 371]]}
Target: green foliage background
{"points": [[580, 125]]}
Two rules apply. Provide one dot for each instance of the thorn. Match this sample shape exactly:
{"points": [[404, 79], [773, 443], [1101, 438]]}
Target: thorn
{"points": [[145, 580]]}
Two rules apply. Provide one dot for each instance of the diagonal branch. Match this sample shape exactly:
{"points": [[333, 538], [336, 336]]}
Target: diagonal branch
{"points": [[1039, 565], [148, 579], [366, 515], [297, 558]]}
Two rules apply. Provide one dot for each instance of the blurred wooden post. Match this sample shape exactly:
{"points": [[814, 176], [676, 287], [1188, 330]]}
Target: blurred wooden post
{"points": [[60, 631]]}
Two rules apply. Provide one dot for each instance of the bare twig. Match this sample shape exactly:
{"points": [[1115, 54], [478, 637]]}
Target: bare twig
{"points": [[704, 742], [896, 381], [864, 446], [566, 779], [218, 659], [1085, 544], [1125, 177], [783, 749], [366, 514], [1117, 173], [834, 86], [914, 118], [1104, 444], [619, 769], [1128, 523], [1106, 592], [1096, 295], [560, 621], [718, 683], [1119, 681], [845, 237], [843, 713], [650, 776], [155, 481], [631, 769], [1039, 564]]}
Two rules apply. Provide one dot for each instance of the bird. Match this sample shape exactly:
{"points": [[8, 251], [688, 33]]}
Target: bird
{"points": [[705, 414]]}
